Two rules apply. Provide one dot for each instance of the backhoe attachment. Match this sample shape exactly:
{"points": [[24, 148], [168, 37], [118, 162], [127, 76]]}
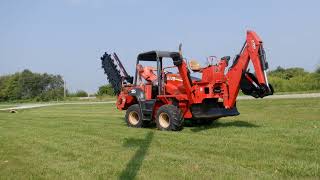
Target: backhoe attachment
{"points": [[257, 84]]}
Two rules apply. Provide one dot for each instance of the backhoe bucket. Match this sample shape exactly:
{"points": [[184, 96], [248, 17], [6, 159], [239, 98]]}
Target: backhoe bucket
{"points": [[249, 85]]}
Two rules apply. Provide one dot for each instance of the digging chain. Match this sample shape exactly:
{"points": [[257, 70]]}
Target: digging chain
{"points": [[112, 72]]}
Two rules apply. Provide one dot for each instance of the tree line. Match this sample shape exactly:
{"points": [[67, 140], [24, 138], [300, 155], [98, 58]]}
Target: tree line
{"points": [[30, 86], [27, 85], [294, 79]]}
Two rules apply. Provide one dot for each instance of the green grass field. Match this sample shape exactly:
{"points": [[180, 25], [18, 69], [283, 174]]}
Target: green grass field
{"points": [[271, 139]]}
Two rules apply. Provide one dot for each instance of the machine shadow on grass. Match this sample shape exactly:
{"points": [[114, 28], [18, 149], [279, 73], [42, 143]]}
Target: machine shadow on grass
{"points": [[217, 124], [135, 162]]}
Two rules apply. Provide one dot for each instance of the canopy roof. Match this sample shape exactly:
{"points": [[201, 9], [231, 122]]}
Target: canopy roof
{"points": [[153, 55]]}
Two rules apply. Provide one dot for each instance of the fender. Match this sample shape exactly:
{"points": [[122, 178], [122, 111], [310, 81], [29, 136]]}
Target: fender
{"points": [[138, 93]]}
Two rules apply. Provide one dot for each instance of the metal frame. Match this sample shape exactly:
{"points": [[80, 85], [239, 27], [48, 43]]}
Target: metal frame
{"points": [[153, 56]]}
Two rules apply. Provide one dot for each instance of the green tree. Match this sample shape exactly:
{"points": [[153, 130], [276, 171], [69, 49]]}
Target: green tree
{"points": [[293, 79], [27, 85], [78, 93], [81, 93], [318, 69], [105, 90]]}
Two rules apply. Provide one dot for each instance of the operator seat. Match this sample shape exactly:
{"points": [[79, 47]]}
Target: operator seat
{"points": [[147, 73], [195, 66]]}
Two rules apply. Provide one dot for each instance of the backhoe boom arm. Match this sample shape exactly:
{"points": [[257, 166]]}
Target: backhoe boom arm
{"points": [[252, 50]]}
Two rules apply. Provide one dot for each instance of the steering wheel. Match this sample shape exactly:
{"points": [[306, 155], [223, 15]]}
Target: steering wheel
{"points": [[211, 59]]}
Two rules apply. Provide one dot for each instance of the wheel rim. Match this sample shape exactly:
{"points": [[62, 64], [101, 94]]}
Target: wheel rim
{"points": [[133, 118], [164, 120]]}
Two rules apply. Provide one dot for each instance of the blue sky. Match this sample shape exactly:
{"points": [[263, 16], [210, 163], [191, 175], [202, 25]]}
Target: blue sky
{"points": [[68, 37]]}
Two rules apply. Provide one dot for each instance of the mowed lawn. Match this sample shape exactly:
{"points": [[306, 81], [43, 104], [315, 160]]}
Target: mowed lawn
{"points": [[270, 139]]}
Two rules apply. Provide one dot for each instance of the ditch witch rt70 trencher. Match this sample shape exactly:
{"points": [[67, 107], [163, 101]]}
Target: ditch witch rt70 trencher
{"points": [[156, 94]]}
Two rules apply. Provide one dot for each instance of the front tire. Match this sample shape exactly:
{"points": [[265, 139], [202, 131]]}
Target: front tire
{"points": [[169, 118], [133, 117]]}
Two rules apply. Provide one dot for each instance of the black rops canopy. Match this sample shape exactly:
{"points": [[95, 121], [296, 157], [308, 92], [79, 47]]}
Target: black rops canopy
{"points": [[154, 55]]}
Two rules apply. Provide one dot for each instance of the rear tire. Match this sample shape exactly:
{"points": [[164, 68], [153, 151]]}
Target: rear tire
{"points": [[133, 117], [169, 118]]}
